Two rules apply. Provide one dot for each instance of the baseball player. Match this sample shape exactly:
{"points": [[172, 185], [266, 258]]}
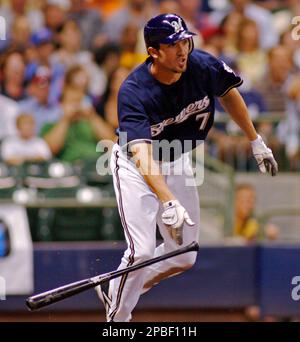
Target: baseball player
{"points": [[168, 97]]}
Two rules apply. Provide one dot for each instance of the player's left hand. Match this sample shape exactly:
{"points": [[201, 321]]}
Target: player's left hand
{"points": [[264, 156], [173, 217]]}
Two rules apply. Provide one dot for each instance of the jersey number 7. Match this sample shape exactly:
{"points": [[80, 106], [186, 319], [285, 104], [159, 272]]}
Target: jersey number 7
{"points": [[205, 117]]}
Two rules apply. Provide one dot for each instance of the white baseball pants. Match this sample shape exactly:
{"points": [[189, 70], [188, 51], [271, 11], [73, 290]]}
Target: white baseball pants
{"points": [[140, 212]]}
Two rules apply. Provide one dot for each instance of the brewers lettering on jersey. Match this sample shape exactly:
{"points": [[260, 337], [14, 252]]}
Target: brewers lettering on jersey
{"points": [[171, 96]]}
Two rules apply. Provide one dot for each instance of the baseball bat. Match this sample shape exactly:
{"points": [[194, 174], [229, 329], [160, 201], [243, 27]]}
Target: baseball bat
{"points": [[46, 298]]}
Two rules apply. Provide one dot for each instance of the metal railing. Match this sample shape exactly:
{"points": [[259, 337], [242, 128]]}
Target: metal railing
{"points": [[224, 207], [272, 117], [267, 215]]}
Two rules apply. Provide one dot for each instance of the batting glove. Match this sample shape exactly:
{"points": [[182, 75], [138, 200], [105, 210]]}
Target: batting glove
{"points": [[264, 156], [173, 217]]}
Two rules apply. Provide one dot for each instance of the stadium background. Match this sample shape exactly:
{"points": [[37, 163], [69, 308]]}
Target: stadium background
{"points": [[61, 65]]}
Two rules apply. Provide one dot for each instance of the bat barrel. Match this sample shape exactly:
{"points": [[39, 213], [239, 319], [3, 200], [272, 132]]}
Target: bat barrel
{"points": [[53, 296]]}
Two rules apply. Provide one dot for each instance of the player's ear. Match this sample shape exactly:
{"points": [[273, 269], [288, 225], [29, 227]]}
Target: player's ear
{"points": [[153, 52]]}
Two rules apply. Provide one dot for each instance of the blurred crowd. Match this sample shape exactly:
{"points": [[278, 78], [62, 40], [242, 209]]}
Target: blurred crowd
{"points": [[63, 61]]}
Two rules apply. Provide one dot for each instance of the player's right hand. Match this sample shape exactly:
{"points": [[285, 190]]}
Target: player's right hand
{"points": [[173, 217]]}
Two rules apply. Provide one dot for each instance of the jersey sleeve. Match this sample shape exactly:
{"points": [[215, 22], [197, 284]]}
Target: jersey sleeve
{"points": [[223, 78], [134, 122]]}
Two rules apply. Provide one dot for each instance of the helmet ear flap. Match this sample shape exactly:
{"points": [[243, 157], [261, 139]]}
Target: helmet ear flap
{"points": [[191, 43]]}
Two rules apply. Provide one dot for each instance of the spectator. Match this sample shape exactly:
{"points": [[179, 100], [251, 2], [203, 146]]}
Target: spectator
{"points": [[289, 129], [273, 87], [106, 7], [76, 134], [16, 8], [18, 37], [89, 22], [292, 44], [247, 227], [230, 28], [190, 11], [8, 114], [251, 60], [43, 42], [245, 224], [284, 14], [77, 79], [135, 12], [55, 13], [129, 39], [70, 54], [21, 32], [196, 20], [110, 103], [12, 76], [214, 43], [271, 84], [108, 59], [254, 100], [168, 6], [26, 147], [255, 103], [231, 149], [268, 36], [38, 101]]}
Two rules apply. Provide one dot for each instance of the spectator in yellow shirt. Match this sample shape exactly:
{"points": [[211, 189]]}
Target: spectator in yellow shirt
{"points": [[245, 223]]}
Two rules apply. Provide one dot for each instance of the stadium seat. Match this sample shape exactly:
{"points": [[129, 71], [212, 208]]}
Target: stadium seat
{"points": [[8, 182], [50, 175], [111, 228], [76, 224], [89, 174]]}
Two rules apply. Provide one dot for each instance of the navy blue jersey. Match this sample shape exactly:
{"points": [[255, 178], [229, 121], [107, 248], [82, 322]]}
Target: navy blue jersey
{"points": [[149, 110]]}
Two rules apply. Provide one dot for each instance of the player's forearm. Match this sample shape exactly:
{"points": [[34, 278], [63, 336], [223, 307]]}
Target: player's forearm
{"points": [[159, 187], [155, 180], [149, 169], [235, 106]]}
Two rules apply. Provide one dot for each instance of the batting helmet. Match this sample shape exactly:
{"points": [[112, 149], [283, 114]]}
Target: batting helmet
{"points": [[166, 29]]}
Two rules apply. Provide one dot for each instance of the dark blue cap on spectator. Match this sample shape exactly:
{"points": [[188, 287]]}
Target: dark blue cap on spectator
{"points": [[41, 36]]}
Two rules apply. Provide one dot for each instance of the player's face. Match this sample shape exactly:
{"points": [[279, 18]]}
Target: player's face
{"points": [[173, 57]]}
